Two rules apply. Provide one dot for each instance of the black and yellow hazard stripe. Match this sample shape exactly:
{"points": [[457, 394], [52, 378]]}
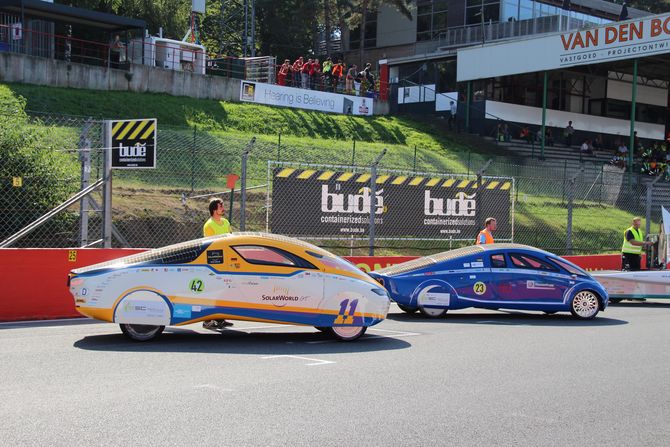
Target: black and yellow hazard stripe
{"points": [[384, 179], [134, 129]]}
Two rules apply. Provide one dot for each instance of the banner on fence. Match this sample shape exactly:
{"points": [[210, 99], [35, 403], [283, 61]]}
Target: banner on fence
{"points": [[298, 98], [133, 143], [330, 203]]}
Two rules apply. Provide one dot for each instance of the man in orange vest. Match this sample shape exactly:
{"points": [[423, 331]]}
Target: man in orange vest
{"points": [[485, 236]]}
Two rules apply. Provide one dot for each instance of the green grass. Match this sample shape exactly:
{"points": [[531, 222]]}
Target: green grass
{"points": [[223, 129]]}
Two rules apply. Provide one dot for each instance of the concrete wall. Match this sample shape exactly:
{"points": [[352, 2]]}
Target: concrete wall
{"points": [[140, 78]]}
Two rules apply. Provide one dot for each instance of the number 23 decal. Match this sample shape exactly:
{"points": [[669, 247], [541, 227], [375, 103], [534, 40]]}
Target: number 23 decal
{"points": [[479, 288]]}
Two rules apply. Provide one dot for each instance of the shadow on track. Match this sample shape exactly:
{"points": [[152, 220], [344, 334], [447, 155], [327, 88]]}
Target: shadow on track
{"points": [[240, 342], [508, 318]]}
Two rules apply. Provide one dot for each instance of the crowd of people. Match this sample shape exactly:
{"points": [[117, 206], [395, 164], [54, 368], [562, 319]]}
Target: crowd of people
{"points": [[332, 76]]}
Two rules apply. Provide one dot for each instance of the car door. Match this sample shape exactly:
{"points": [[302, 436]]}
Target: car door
{"points": [[473, 281], [529, 279]]}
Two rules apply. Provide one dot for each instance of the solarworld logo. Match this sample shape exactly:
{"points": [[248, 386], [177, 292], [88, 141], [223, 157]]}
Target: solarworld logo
{"points": [[462, 205], [332, 202]]}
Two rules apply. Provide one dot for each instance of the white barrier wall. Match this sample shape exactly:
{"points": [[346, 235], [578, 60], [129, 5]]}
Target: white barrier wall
{"points": [[298, 98], [559, 118]]}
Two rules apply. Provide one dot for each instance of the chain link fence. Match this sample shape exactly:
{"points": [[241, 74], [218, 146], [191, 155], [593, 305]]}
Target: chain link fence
{"points": [[557, 205]]}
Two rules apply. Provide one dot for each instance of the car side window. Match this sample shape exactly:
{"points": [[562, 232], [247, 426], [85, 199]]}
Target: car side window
{"points": [[498, 261], [261, 255], [530, 262]]}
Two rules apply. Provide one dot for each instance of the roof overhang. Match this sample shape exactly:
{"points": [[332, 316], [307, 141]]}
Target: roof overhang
{"points": [[69, 14]]}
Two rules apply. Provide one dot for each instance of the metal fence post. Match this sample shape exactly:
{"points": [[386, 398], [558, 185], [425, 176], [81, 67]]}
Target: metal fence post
{"points": [[85, 158], [571, 196], [279, 146], [373, 201], [193, 157], [107, 186], [414, 169], [478, 216], [243, 184], [650, 191], [353, 154]]}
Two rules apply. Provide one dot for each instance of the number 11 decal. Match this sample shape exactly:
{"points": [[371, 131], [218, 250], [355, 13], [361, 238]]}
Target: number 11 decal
{"points": [[343, 316]]}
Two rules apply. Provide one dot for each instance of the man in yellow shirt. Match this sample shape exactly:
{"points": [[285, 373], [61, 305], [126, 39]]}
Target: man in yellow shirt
{"points": [[216, 224]]}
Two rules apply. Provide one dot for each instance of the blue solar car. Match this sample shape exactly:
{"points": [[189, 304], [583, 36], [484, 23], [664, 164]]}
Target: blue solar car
{"points": [[495, 276]]}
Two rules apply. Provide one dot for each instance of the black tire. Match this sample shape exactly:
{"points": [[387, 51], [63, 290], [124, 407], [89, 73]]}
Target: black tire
{"points": [[409, 310], [585, 305], [347, 333], [141, 332]]}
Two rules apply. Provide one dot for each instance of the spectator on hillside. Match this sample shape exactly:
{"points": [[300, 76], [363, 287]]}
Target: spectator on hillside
{"points": [[452, 114], [284, 72], [598, 142], [507, 136], [337, 73], [315, 75], [569, 131], [586, 147], [349, 81], [327, 70], [297, 70], [357, 83], [117, 51], [304, 74], [548, 137], [525, 135], [369, 79]]}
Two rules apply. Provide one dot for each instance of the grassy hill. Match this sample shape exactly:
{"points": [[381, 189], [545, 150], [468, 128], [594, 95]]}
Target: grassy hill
{"points": [[201, 141]]}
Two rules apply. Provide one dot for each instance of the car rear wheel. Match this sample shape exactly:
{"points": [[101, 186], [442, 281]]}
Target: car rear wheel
{"points": [[141, 332], [409, 310], [585, 305], [432, 312], [347, 333]]}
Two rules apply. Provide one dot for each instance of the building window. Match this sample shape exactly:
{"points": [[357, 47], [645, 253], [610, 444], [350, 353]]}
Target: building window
{"points": [[473, 11], [431, 19], [370, 33]]}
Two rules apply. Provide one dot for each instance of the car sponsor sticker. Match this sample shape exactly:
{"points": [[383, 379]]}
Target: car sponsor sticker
{"points": [[196, 285], [214, 256], [539, 285], [477, 264], [182, 311], [479, 288]]}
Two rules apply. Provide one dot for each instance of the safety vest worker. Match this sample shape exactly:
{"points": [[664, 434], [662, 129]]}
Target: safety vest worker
{"points": [[628, 247], [485, 236], [631, 250], [216, 224]]}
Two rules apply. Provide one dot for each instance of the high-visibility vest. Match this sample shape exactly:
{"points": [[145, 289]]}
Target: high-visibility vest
{"points": [[487, 235], [212, 227], [627, 246]]}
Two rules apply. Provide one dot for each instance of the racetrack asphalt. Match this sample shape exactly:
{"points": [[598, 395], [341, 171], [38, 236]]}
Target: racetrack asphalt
{"points": [[473, 378]]}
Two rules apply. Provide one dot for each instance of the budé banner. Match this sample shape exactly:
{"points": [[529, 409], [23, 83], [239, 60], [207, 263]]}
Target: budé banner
{"points": [[329, 203]]}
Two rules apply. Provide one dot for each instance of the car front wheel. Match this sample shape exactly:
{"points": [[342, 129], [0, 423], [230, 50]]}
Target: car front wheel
{"points": [[347, 333], [585, 305], [141, 332]]}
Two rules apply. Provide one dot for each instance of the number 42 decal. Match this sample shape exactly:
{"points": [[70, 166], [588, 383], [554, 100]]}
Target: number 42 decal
{"points": [[196, 285], [343, 316]]}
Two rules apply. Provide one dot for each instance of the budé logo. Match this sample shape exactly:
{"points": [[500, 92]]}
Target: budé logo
{"points": [[462, 205], [333, 202]]}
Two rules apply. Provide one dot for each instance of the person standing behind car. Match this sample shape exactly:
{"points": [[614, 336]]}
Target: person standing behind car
{"points": [[633, 242], [216, 224], [485, 236]]}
